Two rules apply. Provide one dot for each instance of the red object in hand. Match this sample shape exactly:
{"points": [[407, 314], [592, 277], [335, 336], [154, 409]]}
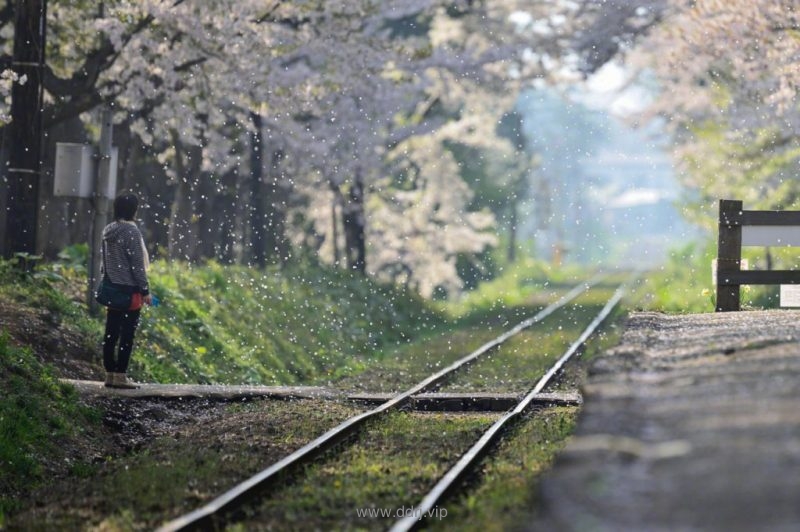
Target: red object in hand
{"points": [[137, 300]]}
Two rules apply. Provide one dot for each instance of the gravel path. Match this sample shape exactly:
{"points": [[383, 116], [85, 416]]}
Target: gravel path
{"points": [[691, 423]]}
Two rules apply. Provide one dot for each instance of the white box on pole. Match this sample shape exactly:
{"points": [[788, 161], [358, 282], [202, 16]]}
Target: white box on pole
{"points": [[74, 172], [790, 295]]}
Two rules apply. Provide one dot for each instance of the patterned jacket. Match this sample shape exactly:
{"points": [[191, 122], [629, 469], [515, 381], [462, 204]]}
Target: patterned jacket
{"points": [[124, 256]]}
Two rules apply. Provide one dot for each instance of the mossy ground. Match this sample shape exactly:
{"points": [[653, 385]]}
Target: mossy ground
{"points": [[503, 496], [187, 460], [390, 467]]}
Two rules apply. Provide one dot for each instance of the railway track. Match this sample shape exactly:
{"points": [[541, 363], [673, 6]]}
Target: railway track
{"points": [[475, 454], [218, 511]]}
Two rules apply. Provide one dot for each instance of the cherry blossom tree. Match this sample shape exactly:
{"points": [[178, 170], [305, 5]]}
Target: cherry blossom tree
{"points": [[729, 80], [727, 77], [239, 115]]}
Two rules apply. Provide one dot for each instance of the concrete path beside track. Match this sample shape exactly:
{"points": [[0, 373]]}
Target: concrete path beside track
{"points": [[691, 423]]}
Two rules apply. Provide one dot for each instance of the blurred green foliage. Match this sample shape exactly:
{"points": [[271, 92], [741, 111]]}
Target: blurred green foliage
{"points": [[756, 166], [684, 283], [514, 285]]}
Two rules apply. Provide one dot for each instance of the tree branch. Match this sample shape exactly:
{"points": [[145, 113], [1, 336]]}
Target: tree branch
{"points": [[96, 62], [7, 13], [55, 114]]}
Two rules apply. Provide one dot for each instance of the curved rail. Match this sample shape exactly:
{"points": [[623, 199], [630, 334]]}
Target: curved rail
{"points": [[471, 458], [211, 513]]}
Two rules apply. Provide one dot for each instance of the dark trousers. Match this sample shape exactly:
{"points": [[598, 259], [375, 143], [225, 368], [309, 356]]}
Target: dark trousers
{"points": [[120, 327]]}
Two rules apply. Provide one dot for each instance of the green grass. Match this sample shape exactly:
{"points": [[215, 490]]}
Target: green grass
{"points": [[37, 414], [399, 458], [573, 374], [228, 324], [57, 289], [177, 476], [517, 364], [684, 284], [519, 283], [504, 496], [303, 325], [514, 366], [215, 324], [177, 473], [236, 325], [398, 369]]}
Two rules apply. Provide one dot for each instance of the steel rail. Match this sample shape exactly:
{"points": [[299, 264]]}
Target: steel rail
{"points": [[211, 513], [471, 458]]}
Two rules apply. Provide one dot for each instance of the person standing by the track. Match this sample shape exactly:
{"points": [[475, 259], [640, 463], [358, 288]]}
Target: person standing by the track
{"points": [[124, 262]]}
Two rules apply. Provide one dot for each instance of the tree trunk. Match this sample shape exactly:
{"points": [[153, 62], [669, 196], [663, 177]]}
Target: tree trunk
{"points": [[277, 189], [229, 213], [209, 222], [338, 199], [25, 130], [240, 222], [179, 214], [354, 224], [511, 254], [183, 223], [257, 207], [268, 203], [131, 151]]}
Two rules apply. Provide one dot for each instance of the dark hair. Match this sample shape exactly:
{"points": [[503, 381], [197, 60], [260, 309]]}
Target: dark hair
{"points": [[125, 206]]}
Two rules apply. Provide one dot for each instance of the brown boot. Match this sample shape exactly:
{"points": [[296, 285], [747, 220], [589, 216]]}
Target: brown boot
{"points": [[110, 379], [121, 381]]}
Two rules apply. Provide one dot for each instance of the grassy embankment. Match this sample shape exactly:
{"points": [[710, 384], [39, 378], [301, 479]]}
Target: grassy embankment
{"points": [[237, 325], [37, 413]]}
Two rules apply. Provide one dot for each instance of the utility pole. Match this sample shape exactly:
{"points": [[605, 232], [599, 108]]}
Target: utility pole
{"points": [[25, 130], [102, 176], [81, 171]]}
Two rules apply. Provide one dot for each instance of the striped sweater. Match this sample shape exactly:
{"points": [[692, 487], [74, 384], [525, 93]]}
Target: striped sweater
{"points": [[124, 255]]}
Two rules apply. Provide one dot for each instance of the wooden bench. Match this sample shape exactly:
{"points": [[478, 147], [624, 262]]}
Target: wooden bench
{"points": [[739, 228]]}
